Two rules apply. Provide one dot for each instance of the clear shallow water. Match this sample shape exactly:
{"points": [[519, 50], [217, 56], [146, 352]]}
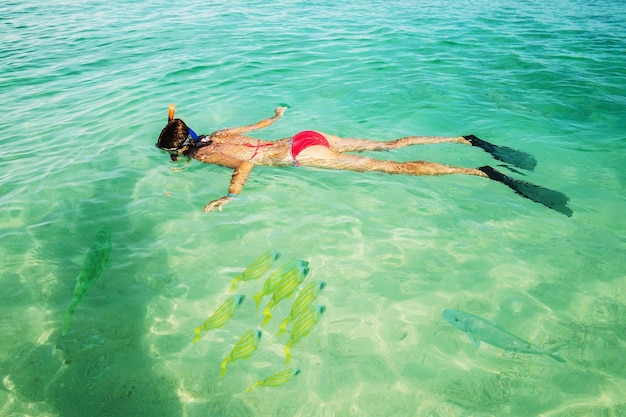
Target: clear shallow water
{"points": [[85, 95]]}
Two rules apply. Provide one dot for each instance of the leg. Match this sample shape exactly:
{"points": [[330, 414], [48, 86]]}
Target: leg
{"points": [[501, 153], [358, 145], [322, 157]]}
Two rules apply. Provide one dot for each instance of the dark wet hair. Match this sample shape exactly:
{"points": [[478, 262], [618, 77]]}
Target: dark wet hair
{"points": [[177, 139], [173, 135]]}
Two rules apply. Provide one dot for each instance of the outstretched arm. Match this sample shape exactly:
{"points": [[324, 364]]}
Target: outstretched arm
{"points": [[240, 175], [250, 128]]}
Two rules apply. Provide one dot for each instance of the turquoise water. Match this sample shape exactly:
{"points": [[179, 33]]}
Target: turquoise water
{"points": [[84, 90]]}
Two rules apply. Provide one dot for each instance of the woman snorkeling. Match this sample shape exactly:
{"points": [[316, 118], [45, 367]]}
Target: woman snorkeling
{"points": [[231, 148]]}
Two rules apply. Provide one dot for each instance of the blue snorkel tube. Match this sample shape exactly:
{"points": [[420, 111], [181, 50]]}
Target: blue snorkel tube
{"points": [[192, 134]]}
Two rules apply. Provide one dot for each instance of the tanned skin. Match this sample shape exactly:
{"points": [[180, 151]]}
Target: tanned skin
{"points": [[231, 148]]}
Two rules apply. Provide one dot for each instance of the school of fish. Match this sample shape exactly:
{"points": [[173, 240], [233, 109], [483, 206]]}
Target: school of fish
{"points": [[281, 284]]}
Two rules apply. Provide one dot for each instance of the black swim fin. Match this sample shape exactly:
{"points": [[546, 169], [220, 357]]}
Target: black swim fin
{"points": [[505, 154], [549, 198]]}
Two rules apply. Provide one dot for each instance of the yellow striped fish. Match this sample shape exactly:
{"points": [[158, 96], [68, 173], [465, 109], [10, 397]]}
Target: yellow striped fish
{"points": [[284, 289], [282, 273], [256, 269], [243, 349], [303, 300], [302, 326], [220, 316], [94, 264], [276, 380]]}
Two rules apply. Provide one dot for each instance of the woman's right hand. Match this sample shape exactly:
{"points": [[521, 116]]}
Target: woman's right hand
{"points": [[217, 204]]}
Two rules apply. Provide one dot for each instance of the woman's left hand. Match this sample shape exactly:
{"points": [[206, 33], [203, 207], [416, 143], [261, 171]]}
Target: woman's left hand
{"points": [[279, 111]]}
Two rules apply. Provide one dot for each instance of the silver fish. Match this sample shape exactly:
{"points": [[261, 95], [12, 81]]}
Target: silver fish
{"points": [[220, 316], [94, 264], [256, 269], [277, 379], [243, 349], [479, 329], [303, 300]]}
